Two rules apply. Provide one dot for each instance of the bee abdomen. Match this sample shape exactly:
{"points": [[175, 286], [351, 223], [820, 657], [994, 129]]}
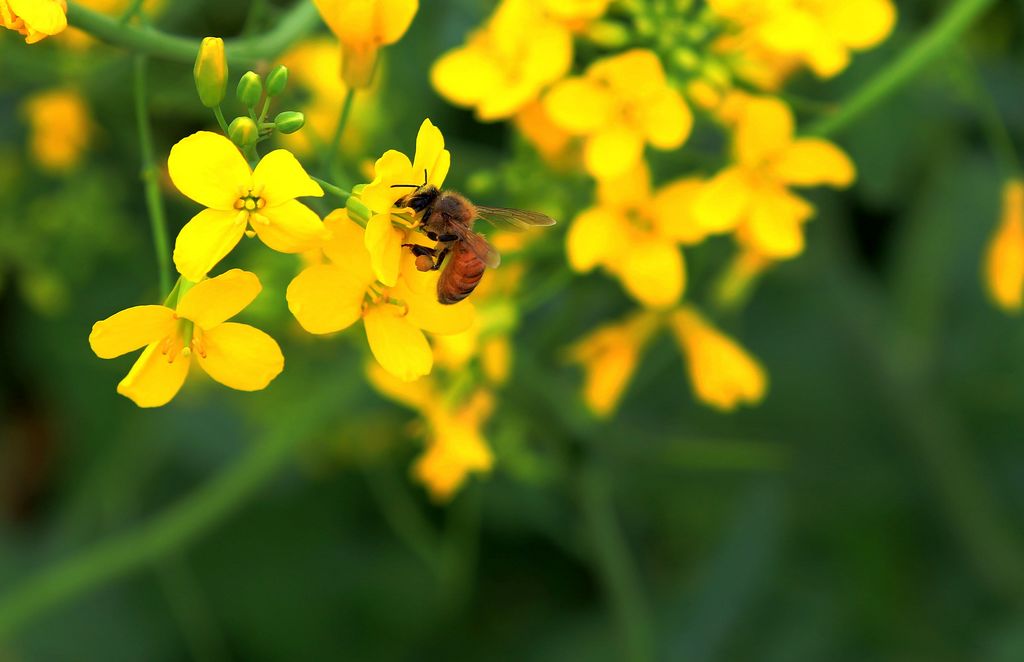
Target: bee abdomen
{"points": [[460, 276]]}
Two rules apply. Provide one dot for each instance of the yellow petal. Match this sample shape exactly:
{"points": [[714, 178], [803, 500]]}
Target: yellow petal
{"points": [[652, 271], [790, 31], [861, 23], [775, 226], [45, 16], [131, 329], [613, 152], [220, 298], [723, 374], [431, 156], [279, 177], [325, 298], [205, 240], [636, 74], [426, 312], [666, 120], [208, 168], [465, 76], [1004, 258], [415, 395], [812, 161], [345, 246], [292, 227], [828, 57], [724, 201], [609, 357], [155, 379], [398, 346], [239, 356], [765, 128], [384, 243], [594, 238], [391, 168], [580, 106], [672, 211], [393, 19]]}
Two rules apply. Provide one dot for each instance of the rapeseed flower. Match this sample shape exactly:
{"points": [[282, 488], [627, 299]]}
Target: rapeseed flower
{"points": [[620, 104], [634, 234], [1004, 259], [61, 128], [35, 19], [506, 64], [752, 196], [333, 295], [208, 168], [236, 355], [722, 373], [363, 27]]}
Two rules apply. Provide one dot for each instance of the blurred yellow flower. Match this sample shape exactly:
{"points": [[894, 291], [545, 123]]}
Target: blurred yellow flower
{"points": [[363, 27], [35, 19], [61, 128], [609, 357], [236, 355], [818, 33], [752, 196], [1004, 259], [553, 143], [505, 65], [575, 13], [635, 235], [333, 295], [621, 103], [394, 173], [722, 373], [209, 169]]}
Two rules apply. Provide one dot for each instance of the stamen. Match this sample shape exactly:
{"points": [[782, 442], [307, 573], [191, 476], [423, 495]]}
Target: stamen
{"points": [[258, 218], [250, 204], [239, 203]]}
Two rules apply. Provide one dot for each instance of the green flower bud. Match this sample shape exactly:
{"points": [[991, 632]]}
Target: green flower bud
{"points": [[243, 131], [686, 59], [289, 121], [608, 34], [277, 80], [250, 89], [211, 72]]}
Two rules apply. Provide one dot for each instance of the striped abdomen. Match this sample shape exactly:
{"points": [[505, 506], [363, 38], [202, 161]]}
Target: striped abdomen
{"points": [[460, 276]]}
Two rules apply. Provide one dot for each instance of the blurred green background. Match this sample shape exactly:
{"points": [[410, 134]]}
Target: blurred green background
{"points": [[871, 508]]}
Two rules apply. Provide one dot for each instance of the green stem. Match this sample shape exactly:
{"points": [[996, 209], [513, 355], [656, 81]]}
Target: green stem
{"points": [[990, 118], [219, 114], [169, 531], [295, 24], [132, 10], [330, 152], [934, 42], [150, 177], [614, 565], [336, 191]]}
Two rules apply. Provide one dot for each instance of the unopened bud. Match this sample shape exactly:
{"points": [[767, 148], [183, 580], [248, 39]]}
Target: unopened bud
{"points": [[211, 72], [250, 89], [289, 121], [608, 34], [277, 80], [243, 131]]}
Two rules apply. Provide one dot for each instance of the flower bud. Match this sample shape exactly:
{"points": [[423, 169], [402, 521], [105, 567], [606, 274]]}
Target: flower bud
{"points": [[211, 72], [277, 80], [243, 131], [289, 121], [250, 89], [608, 34]]}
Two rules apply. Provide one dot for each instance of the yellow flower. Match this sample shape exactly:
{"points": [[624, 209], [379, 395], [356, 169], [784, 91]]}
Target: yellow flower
{"points": [[383, 239], [363, 27], [752, 196], [622, 102], [609, 357], [550, 140], [1004, 259], [505, 65], [332, 296], [722, 373], [209, 169], [576, 13], [634, 235], [236, 355], [36, 19], [819, 33], [61, 128]]}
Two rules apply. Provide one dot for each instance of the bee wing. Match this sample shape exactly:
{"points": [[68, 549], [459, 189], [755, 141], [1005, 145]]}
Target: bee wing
{"points": [[516, 220], [479, 246]]}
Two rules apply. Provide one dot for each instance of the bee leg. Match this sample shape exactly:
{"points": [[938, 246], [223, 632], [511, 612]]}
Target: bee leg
{"points": [[446, 237], [440, 258]]}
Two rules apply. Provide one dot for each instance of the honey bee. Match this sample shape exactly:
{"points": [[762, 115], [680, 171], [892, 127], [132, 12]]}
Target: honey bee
{"points": [[447, 218]]}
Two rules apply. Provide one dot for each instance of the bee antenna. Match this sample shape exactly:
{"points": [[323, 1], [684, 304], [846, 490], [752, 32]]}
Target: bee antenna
{"points": [[426, 179], [405, 186]]}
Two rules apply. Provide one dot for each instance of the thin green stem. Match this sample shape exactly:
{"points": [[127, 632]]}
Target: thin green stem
{"points": [[219, 114], [330, 153], [615, 566], [295, 24], [171, 530], [336, 191], [150, 174], [991, 119], [934, 42]]}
